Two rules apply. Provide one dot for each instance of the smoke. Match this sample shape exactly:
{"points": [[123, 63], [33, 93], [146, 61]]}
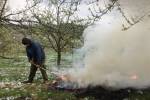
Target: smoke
{"points": [[114, 58]]}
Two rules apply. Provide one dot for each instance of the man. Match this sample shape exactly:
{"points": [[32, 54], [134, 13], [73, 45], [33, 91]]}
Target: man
{"points": [[36, 57]]}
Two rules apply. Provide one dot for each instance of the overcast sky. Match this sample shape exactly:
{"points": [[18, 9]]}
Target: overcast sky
{"points": [[17, 4], [131, 7], [143, 5]]}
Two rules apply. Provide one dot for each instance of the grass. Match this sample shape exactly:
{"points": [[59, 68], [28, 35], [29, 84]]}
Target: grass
{"points": [[10, 87], [12, 72]]}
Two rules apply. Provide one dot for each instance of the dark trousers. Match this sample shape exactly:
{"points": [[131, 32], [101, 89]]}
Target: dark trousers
{"points": [[33, 70]]}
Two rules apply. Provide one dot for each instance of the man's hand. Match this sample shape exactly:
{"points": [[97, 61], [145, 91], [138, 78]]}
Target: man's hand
{"points": [[32, 62]]}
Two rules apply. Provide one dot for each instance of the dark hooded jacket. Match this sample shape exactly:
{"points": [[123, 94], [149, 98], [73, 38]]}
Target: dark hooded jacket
{"points": [[36, 53]]}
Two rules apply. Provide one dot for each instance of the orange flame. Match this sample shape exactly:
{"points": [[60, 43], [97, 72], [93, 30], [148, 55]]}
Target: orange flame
{"points": [[134, 77], [64, 77]]}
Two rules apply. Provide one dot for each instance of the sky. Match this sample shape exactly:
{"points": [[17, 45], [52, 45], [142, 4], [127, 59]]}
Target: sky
{"points": [[132, 4], [20, 4], [17, 4], [132, 8]]}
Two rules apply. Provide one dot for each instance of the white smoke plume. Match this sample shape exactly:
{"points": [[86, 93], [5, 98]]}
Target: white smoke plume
{"points": [[114, 58]]}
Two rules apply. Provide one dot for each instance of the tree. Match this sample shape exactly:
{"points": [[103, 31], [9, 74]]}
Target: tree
{"points": [[97, 13], [61, 24], [8, 17], [9, 25], [3, 8]]}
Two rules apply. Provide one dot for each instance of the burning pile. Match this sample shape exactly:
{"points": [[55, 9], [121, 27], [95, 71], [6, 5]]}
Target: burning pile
{"points": [[62, 83]]}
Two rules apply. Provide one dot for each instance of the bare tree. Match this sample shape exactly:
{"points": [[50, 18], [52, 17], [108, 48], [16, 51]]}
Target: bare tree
{"points": [[131, 21], [97, 13], [8, 17], [61, 24]]}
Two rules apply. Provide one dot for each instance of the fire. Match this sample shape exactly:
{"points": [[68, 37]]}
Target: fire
{"points": [[54, 82], [134, 77], [64, 78]]}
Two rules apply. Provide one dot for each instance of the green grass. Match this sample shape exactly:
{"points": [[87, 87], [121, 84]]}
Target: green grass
{"points": [[12, 72], [10, 87]]}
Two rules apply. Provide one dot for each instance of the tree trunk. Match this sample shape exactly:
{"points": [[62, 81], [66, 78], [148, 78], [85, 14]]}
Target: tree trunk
{"points": [[58, 58]]}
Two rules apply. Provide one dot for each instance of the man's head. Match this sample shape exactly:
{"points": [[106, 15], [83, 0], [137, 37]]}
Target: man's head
{"points": [[26, 41]]}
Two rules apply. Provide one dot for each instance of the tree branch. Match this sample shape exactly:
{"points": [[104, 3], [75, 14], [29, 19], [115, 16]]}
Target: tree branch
{"points": [[23, 11], [97, 15], [3, 8]]}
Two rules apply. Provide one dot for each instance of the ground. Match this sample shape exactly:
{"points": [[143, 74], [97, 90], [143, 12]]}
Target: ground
{"points": [[13, 72]]}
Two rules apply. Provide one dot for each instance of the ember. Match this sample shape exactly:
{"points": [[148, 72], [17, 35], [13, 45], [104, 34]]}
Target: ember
{"points": [[134, 77], [62, 82]]}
